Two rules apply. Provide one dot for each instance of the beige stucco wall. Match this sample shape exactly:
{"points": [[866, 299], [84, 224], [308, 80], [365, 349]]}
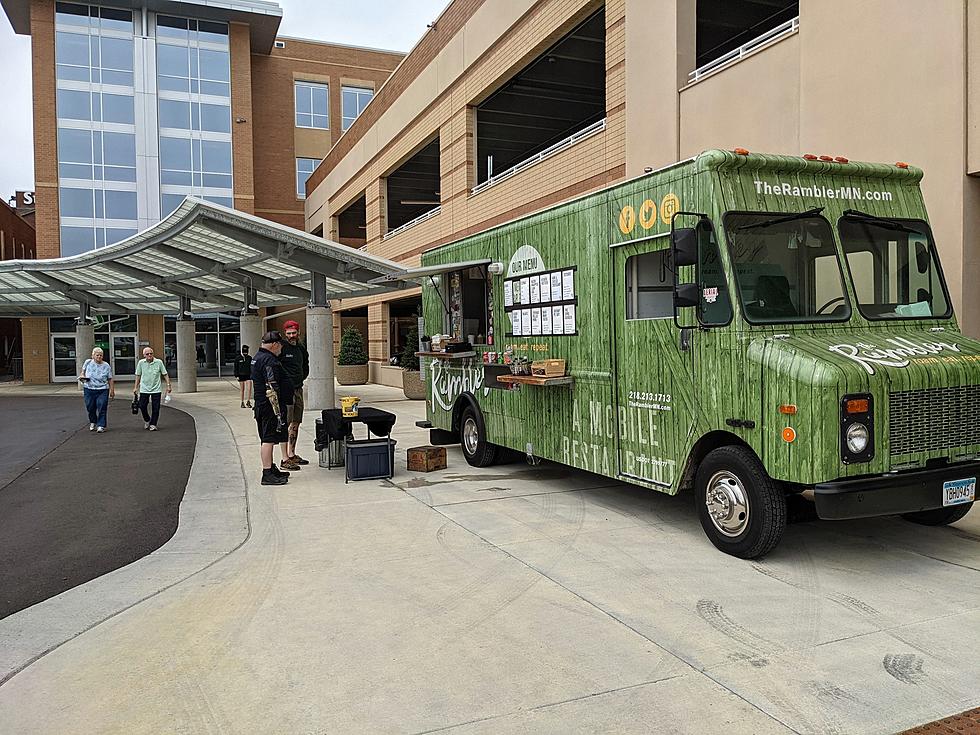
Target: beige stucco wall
{"points": [[754, 104]]}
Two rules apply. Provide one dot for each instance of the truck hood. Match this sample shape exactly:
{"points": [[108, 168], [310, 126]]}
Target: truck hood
{"points": [[863, 360]]}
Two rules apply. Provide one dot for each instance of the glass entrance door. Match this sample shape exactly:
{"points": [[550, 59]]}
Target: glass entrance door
{"points": [[63, 359], [124, 356]]}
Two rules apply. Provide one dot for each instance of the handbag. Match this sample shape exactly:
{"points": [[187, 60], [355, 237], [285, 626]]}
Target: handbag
{"points": [[136, 404]]}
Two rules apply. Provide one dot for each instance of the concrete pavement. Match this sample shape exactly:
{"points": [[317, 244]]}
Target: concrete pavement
{"points": [[511, 599]]}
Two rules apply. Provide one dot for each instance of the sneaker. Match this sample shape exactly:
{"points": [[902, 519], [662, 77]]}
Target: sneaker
{"points": [[289, 464], [152, 427], [299, 460], [91, 427], [243, 404], [146, 424], [248, 404], [277, 471], [269, 478], [100, 430]]}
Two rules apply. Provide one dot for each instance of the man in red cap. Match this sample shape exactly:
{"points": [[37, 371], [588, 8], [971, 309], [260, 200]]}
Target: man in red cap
{"points": [[296, 364]]}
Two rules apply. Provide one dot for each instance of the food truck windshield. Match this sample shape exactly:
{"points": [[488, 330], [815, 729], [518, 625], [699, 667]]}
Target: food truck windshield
{"points": [[787, 268], [894, 267]]}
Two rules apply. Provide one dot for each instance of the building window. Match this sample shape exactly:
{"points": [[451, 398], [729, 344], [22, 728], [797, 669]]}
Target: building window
{"points": [[354, 99], [304, 167], [312, 107], [194, 112], [96, 116]]}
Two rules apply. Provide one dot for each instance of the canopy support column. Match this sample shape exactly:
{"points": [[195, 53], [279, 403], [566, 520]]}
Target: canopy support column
{"points": [[319, 342], [84, 337], [186, 349], [250, 323]]}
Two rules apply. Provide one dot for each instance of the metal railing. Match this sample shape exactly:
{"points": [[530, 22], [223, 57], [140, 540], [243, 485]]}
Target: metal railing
{"points": [[586, 132], [412, 222], [735, 55]]}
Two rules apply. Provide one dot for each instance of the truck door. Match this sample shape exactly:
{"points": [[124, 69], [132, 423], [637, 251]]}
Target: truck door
{"points": [[652, 373]]}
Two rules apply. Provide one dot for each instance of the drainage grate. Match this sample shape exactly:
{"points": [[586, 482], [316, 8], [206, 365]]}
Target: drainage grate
{"points": [[933, 419]]}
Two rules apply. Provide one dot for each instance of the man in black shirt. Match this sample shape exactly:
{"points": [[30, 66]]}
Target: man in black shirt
{"points": [[296, 363], [269, 382], [243, 371]]}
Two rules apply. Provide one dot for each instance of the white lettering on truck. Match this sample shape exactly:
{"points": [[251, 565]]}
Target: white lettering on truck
{"points": [[868, 355], [816, 191]]}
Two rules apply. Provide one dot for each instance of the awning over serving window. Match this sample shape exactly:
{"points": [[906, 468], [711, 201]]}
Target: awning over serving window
{"points": [[414, 274], [219, 258]]}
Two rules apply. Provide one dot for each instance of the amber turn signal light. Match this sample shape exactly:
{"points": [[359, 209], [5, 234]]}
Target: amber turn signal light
{"points": [[856, 405], [788, 408], [789, 434]]}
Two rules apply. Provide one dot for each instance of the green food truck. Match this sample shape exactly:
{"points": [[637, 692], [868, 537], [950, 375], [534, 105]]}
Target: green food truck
{"points": [[747, 326]]}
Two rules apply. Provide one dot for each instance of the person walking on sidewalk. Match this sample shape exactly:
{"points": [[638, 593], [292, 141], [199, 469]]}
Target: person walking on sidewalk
{"points": [[269, 382], [98, 387], [243, 371], [150, 375], [296, 363]]}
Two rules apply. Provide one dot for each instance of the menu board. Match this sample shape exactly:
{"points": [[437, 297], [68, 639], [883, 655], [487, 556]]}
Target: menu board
{"points": [[542, 304]]}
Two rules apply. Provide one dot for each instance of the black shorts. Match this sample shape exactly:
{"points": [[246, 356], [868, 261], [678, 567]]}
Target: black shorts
{"points": [[242, 380], [269, 431]]}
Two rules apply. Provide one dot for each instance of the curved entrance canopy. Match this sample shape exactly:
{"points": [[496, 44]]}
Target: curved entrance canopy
{"points": [[203, 255]]}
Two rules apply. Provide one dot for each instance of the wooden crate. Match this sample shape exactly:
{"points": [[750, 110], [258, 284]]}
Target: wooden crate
{"points": [[548, 368], [426, 459]]}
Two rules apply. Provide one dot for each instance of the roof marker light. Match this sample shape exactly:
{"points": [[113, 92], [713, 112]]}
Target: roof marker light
{"points": [[901, 164], [841, 159], [827, 158], [741, 152], [809, 157]]}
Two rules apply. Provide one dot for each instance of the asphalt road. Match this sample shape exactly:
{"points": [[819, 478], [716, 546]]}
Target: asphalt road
{"points": [[74, 504]]}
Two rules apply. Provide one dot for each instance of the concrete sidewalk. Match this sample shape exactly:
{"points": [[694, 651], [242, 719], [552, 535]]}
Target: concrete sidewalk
{"points": [[512, 599]]}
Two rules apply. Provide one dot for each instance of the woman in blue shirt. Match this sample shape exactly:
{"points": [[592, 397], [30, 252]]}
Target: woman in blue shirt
{"points": [[99, 387]]}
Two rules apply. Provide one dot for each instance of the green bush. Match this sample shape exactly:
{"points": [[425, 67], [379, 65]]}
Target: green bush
{"points": [[352, 348], [409, 359]]}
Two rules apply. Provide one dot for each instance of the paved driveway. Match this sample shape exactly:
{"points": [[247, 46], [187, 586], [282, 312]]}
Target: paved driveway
{"points": [[517, 599]]}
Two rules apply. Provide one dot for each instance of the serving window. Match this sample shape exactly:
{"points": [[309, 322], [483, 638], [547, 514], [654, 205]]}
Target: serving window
{"points": [[470, 305]]}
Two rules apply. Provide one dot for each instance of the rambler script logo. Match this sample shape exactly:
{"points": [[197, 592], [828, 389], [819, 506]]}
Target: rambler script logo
{"points": [[526, 260], [869, 355], [850, 193], [448, 384]]}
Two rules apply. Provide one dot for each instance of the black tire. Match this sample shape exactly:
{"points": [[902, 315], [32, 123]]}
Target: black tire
{"points": [[756, 529], [473, 439], [939, 516]]}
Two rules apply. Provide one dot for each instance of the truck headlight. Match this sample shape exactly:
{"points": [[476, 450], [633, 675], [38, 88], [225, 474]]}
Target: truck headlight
{"points": [[857, 432], [856, 437]]}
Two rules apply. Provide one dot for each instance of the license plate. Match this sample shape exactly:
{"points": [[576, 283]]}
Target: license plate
{"points": [[956, 492]]}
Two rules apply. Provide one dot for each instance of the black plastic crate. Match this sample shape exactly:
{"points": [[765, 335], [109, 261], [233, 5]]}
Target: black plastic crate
{"points": [[370, 459]]}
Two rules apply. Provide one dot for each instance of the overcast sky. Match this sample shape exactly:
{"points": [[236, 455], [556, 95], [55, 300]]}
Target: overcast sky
{"points": [[387, 24]]}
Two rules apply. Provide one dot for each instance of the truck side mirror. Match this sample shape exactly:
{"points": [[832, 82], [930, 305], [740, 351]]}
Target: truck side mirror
{"points": [[686, 294], [684, 242]]}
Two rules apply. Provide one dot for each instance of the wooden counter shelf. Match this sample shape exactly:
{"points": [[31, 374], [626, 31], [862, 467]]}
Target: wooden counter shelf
{"points": [[535, 380], [447, 355]]}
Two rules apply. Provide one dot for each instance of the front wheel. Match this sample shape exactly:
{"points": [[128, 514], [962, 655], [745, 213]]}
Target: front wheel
{"points": [[939, 516], [742, 510], [473, 439]]}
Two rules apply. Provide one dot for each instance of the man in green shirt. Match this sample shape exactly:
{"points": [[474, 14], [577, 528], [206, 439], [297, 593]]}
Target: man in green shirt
{"points": [[150, 375]]}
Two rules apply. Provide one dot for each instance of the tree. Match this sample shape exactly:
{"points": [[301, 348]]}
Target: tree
{"points": [[352, 348], [409, 359]]}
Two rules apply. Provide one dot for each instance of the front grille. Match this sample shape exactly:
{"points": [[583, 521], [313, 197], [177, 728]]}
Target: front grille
{"points": [[933, 419]]}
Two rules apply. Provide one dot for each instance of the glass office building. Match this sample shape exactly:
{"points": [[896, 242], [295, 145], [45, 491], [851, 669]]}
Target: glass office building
{"points": [[143, 111]]}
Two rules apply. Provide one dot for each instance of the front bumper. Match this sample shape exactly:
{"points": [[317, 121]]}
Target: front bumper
{"points": [[903, 492]]}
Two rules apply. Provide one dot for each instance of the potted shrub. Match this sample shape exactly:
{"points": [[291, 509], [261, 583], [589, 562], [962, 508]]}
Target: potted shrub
{"points": [[411, 377], [352, 363]]}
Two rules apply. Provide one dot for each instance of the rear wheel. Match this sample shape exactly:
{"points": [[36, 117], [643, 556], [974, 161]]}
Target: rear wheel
{"points": [[939, 516], [742, 510], [473, 439]]}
